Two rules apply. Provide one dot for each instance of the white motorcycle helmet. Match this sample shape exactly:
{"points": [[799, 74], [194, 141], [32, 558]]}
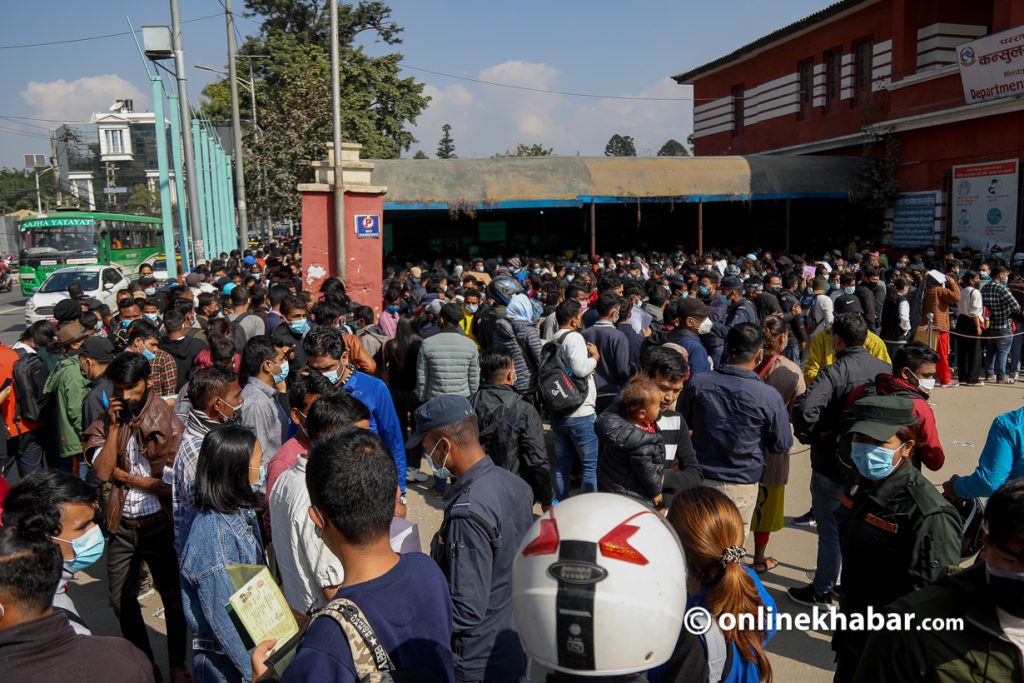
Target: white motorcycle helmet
{"points": [[599, 587]]}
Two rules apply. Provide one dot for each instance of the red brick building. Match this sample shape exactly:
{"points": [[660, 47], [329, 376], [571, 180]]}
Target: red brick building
{"points": [[857, 69]]}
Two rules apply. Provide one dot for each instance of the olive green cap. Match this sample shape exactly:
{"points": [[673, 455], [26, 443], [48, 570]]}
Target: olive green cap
{"points": [[880, 417]]}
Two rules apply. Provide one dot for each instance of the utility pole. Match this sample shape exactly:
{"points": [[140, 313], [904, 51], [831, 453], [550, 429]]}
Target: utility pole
{"points": [[339, 184], [186, 132], [236, 124]]}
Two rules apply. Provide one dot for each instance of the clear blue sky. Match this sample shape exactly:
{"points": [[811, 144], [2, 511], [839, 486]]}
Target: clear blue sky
{"points": [[598, 46]]}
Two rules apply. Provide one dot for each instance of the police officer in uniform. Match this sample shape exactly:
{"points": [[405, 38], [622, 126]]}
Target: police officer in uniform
{"points": [[489, 512], [896, 532]]}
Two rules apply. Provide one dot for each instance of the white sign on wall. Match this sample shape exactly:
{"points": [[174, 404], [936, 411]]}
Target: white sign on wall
{"points": [[993, 66], [984, 206]]}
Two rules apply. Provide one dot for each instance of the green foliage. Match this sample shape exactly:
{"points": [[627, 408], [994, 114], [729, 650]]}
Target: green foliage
{"points": [[877, 187], [18, 190], [620, 146], [521, 150], [143, 202], [293, 95], [673, 148], [420, 154], [446, 147]]}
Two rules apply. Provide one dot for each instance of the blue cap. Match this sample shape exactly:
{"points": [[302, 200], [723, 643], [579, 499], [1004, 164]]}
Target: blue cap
{"points": [[228, 286], [249, 260], [439, 412]]}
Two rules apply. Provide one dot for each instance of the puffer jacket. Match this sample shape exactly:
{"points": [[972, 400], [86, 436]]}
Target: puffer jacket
{"points": [[522, 340], [448, 363], [512, 435], [631, 460]]}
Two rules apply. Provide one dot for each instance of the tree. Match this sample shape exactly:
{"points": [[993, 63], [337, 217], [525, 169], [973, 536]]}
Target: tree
{"points": [[420, 154], [521, 150], [143, 202], [18, 190], [446, 148], [673, 148], [689, 143], [293, 94], [620, 146]]}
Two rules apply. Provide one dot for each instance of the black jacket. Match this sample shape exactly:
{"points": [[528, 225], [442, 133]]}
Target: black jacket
{"points": [[184, 352], [284, 334], [631, 460], [484, 323], [30, 375], [512, 435], [818, 413], [866, 296]]}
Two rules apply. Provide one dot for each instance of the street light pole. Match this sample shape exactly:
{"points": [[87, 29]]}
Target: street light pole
{"points": [[339, 184], [186, 134], [39, 194], [236, 124]]}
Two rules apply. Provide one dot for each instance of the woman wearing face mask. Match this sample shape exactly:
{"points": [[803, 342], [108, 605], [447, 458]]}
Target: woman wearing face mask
{"points": [[65, 509], [896, 532], [224, 533]]}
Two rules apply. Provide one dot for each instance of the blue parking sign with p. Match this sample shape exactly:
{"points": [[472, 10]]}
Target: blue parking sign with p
{"points": [[367, 225]]}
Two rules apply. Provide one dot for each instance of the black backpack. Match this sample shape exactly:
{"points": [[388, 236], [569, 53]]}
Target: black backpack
{"points": [[559, 391], [31, 402], [499, 433]]}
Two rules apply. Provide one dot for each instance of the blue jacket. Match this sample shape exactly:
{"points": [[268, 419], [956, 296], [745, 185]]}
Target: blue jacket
{"points": [[736, 418], [742, 311], [613, 368], [374, 395], [476, 554], [1001, 459], [699, 361], [215, 541]]}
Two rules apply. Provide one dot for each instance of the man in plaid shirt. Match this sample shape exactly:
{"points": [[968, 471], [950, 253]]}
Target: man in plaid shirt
{"points": [[1001, 306], [143, 338]]}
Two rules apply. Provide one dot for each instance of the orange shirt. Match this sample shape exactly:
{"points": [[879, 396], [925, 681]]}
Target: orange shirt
{"points": [[8, 357]]}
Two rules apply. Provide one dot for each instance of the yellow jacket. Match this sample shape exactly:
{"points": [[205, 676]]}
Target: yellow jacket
{"points": [[467, 326], [821, 352]]}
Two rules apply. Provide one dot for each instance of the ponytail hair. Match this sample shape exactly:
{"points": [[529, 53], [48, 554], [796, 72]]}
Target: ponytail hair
{"points": [[712, 533]]}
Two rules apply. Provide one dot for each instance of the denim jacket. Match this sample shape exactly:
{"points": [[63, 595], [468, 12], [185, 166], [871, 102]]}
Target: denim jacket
{"points": [[215, 541]]}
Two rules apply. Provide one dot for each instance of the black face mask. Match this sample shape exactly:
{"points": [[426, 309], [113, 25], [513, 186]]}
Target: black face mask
{"points": [[135, 407]]}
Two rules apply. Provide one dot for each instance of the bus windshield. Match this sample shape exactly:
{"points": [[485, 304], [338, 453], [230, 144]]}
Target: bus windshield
{"points": [[52, 239]]}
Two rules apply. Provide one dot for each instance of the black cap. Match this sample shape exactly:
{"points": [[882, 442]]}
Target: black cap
{"points": [[97, 348], [67, 309], [692, 307], [452, 314], [847, 303], [438, 412], [731, 282]]}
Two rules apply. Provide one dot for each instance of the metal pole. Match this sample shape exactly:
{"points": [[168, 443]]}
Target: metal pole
{"points": [[236, 124], [339, 183], [217, 234], [787, 224], [186, 115], [39, 196], [179, 184], [202, 187], [165, 188], [700, 228], [593, 229], [229, 188]]}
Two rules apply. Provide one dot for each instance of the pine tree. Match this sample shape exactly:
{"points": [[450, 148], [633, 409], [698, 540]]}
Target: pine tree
{"points": [[446, 148], [620, 146]]}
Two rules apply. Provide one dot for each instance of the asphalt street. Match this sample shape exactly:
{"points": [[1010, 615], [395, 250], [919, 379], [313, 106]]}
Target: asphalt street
{"points": [[963, 414]]}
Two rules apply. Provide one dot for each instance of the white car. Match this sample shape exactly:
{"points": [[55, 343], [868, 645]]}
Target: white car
{"points": [[98, 282]]}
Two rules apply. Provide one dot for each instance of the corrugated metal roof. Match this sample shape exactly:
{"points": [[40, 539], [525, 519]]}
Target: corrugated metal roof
{"points": [[572, 181], [819, 16]]}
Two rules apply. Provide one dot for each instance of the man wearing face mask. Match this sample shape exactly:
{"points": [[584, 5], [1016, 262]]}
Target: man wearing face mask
{"points": [[67, 506], [133, 447], [143, 338], [987, 598], [740, 309], [690, 319], [892, 522], [215, 396], [265, 368], [913, 377], [67, 387], [489, 512]]}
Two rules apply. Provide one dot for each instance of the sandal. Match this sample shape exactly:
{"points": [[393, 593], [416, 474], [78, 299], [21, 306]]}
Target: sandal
{"points": [[769, 564]]}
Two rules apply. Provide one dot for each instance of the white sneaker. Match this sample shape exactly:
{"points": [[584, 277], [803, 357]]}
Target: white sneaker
{"points": [[413, 475]]}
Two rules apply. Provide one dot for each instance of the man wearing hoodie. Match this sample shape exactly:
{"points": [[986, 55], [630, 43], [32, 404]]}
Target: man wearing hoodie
{"points": [[511, 431], [181, 347]]}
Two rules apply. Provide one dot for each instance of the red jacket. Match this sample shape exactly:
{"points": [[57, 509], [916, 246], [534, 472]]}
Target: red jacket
{"points": [[928, 450]]}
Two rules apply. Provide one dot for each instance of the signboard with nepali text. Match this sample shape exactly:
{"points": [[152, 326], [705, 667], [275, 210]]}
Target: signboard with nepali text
{"points": [[913, 220], [984, 205], [993, 66]]}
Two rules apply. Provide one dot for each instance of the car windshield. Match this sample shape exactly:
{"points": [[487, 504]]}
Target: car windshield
{"points": [[59, 281], [52, 239]]}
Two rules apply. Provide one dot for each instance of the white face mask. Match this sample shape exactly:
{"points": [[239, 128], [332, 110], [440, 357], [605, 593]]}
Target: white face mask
{"points": [[705, 326], [925, 384]]}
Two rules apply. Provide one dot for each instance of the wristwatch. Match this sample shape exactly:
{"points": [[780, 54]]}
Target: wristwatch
{"points": [[402, 500]]}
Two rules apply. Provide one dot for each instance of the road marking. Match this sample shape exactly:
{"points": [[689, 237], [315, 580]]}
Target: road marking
{"points": [[12, 309]]}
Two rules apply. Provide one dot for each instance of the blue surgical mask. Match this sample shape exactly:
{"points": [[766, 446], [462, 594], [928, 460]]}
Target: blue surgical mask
{"points": [[263, 477], [849, 290], [441, 472], [150, 291], [148, 354], [873, 462], [87, 549], [704, 291], [126, 323], [282, 375], [152, 317], [391, 309], [472, 308], [299, 326]]}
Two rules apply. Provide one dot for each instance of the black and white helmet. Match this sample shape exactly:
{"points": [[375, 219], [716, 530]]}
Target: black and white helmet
{"points": [[504, 288]]}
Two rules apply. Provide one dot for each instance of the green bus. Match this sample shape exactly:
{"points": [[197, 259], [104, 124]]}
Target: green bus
{"points": [[69, 238]]}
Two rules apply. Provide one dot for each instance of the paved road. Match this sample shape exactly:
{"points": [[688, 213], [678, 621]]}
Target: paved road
{"points": [[12, 316], [964, 415]]}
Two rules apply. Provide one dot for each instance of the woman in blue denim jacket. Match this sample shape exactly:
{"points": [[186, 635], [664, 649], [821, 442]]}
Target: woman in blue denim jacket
{"points": [[224, 533]]}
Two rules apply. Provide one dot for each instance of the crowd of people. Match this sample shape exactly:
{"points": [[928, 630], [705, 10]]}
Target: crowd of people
{"points": [[235, 418]]}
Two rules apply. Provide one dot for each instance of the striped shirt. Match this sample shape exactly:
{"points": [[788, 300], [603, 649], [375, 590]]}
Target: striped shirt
{"points": [[138, 503]]}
